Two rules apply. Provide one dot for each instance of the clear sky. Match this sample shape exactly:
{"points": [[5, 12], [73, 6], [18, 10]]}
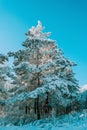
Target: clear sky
{"points": [[66, 19]]}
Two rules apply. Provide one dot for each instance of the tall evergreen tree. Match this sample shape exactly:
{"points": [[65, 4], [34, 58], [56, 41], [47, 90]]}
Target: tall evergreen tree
{"points": [[3, 79], [45, 76]]}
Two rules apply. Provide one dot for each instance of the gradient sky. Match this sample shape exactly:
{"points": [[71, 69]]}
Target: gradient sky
{"points": [[66, 19]]}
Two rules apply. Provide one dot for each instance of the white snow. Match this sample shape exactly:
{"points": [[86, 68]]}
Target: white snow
{"points": [[26, 127], [83, 88], [47, 127], [37, 31], [74, 121]]}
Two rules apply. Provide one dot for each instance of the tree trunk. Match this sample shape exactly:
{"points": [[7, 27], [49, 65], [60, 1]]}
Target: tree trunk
{"points": [[35, 109], [38, 108], [47, 104], [38, 84], [26, 109]]}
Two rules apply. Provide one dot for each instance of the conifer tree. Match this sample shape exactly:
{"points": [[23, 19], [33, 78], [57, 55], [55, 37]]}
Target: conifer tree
{"points": [[45, 76], [3, 79]]}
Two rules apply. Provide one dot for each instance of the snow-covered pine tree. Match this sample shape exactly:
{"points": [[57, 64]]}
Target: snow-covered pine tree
{"points": [[3, 79], [45, 76]]}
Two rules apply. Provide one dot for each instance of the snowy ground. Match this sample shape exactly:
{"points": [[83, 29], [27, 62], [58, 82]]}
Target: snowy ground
{"points": [[76, 121], [28, 127]]}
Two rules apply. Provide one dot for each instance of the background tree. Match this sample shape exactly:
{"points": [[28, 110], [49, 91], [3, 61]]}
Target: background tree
{"points": [[3, 79], [45, 76]]}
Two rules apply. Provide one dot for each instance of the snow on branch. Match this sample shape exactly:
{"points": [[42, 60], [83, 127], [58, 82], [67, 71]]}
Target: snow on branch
{"points": [[50, 87], [3, 59], [37, 32]]}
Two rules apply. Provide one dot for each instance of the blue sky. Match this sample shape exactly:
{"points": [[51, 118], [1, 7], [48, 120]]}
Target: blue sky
{"points": [[66, 19]]}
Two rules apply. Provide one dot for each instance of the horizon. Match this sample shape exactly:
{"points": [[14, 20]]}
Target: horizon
{"points": [[66, 20]]}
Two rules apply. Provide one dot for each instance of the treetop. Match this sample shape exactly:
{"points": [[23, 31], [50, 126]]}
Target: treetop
{"points": [[37, 32]]}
